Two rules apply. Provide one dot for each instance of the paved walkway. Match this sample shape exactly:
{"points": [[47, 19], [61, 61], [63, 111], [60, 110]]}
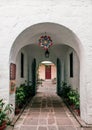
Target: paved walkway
{"points": [[46, 111]]}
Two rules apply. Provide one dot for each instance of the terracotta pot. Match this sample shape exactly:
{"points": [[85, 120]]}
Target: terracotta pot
{"points": [[78, 112], [72, 106], [17, 111], [3, 126]]}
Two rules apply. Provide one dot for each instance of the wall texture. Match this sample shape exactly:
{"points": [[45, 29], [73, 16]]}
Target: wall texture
{"points": [[73, 81], [19, 79]]}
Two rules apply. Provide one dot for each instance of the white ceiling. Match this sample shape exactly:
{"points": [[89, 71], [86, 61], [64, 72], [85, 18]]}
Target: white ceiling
{"points": [[59, 34]]}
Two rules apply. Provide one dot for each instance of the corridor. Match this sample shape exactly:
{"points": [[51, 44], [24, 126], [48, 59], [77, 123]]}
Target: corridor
{"points": [[47, 111]]}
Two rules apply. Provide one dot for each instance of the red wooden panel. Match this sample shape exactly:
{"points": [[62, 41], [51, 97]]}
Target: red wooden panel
{"points": [[12, 71], [48, 71]]}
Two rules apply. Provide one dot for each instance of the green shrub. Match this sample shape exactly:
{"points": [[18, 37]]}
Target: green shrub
{"points": [[22, 94], [65, 89], [73, 96], [4, 111], [19, 96]]}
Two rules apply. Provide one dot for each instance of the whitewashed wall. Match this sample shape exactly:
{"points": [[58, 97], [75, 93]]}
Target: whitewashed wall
{"points": [[20, 80], [41, 71], [75, 80]]}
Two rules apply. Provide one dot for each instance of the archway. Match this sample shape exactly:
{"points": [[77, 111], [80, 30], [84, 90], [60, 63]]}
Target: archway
{"points": [[47, 77], [64, 40]]}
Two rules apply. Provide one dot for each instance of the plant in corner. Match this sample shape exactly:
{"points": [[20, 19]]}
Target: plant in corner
{"points": [[65, 89], [77, 103], [5, 110], [19, 99]]}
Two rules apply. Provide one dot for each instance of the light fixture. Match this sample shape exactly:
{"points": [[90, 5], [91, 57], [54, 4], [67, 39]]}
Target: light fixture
{"points": [[45, 42], [47, 54]]}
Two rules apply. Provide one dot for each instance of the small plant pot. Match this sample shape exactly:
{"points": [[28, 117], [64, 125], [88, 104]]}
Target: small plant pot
{"points": [[17, 111], [3, 126], [78, 112], [72, 106]]}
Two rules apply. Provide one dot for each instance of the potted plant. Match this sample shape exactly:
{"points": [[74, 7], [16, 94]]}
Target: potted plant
{"points": [[5, 110], [72, 98], [19, 99], [65, 89], [77, 104]]}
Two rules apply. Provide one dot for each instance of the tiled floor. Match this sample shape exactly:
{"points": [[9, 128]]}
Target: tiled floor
{"points": [[46, 111]]}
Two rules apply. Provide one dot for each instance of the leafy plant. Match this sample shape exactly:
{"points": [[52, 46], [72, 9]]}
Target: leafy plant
{"points": [[65, 89], [19, 96], [4, 112], [73, 96], [23, 93]]}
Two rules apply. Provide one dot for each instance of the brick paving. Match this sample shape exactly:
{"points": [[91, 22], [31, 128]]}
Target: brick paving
{"points": [[46, 111]]}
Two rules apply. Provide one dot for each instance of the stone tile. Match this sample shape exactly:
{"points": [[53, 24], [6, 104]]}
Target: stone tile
{"points": [[44, 106], [49, 105], [75, 122], [14, 129], [60, 115], [42, 122], [59, 109], [85, 129], [30, 121], [42, 128], [52, 128], [45, 110], [66, 128], [17, 126], [64, 121], [33, 114], [51, 109], [9, 128], [36, 106], [51, 121], [80, 128], [43, 115], [51, 115], [28, 128], [57, 105], [18, 123], [34, 109]]}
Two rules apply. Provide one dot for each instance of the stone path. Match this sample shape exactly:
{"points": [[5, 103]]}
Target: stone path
{"points": [[46, 111]]}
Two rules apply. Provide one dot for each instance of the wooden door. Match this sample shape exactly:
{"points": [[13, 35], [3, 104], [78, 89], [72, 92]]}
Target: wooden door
{"points": [[48, 71]]}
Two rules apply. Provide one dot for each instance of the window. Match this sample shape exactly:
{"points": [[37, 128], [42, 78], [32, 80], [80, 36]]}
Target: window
{"points": [[22, 65], [71, 65]]}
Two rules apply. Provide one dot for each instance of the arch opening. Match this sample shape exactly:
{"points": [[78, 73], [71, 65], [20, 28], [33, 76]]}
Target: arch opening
{"points": [[65, 44], [46, 77]]}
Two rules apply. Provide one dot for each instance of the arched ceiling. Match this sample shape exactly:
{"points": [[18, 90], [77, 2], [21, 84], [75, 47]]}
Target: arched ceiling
{"points": [[58, 33]]}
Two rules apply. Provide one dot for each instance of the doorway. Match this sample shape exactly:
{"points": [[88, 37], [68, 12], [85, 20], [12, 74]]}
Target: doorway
{"points": [[48, 72]]}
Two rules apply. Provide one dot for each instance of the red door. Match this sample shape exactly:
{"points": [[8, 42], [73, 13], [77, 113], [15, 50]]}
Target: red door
{"points": [[48, 71]]}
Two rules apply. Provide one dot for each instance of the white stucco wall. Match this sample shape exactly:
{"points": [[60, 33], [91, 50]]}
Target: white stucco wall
{"points": [[41, 72], [53, 72], [20, 80], [17, 15], [75, 80]]}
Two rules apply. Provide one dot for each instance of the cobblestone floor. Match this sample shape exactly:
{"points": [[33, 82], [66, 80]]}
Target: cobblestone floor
{"points": [[46, 111]]}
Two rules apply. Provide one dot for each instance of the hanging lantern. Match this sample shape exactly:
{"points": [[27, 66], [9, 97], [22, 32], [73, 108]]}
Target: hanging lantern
{"points": [[47, 54]]}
